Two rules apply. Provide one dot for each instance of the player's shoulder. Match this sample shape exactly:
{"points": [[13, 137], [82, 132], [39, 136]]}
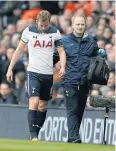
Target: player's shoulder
{"points": [[33, 29], [52, 29]]}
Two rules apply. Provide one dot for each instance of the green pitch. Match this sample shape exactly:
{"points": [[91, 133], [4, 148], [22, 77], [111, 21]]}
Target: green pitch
{"points": [[22, 145]]}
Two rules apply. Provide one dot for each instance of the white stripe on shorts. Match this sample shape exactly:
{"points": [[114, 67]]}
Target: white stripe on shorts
{"points": [[28, 83]]}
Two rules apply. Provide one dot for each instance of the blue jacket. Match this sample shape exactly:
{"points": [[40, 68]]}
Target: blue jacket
{"points": [[78, 58]]}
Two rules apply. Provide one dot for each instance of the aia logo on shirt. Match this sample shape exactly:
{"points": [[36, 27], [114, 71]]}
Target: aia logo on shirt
{"points": [[43, 44]]}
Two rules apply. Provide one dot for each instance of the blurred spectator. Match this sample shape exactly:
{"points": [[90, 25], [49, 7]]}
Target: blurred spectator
{"points": [[15, 40], [6, 95], [111, 81], [82, 5], [112, 21], [90, 28], [31, 13], [4, 45], [8, 11], [99, 32], [110, 85], [69, 30], [7, 37], [104, 21], [1, 28], [17, 68], [60, 97], [108, 47], [111, 54], [101, 43], [106, 6], [31, 22], [111, 93], [95, 14], [19, 88], [55, 21], [94, 92], [113, 39], [107, 34], [64, 23], [96, 6], [11, 29], [58, 101], [20, 26]]}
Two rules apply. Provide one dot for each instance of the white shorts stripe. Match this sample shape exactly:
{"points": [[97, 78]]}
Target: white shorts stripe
{"points": [[28, 83]]}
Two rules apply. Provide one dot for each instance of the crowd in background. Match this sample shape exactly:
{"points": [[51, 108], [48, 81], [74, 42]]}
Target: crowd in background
{"points": [[15, 16]]}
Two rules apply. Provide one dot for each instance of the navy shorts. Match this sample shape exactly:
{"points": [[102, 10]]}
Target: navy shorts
{"points": [[39, 85]]}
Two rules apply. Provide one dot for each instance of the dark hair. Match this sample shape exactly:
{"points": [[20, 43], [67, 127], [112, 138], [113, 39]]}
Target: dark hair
{"points": [[106, 19], [7, 83]]}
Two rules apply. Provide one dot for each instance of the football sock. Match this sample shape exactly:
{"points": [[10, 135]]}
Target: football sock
{"points": [[31, 117], [41, 116]]}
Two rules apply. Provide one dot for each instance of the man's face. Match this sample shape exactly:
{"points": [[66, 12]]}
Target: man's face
{"points": [[43, 25], [111, 81], [78, 25], [9, 53], [89, 21], [107, 33], [4, 89]]}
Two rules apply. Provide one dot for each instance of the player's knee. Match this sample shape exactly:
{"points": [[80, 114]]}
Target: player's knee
{"points": [[42, 106], [33, 103]]}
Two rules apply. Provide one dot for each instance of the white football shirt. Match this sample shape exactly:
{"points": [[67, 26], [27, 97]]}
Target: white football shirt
{"points": [[40, 47]]}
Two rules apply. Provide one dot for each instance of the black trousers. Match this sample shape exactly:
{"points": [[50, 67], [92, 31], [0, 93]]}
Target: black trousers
{"points": [[75, 103]]}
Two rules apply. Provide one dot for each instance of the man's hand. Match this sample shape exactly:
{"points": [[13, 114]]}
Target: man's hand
{"points": [[9, 75], [61, 72]]}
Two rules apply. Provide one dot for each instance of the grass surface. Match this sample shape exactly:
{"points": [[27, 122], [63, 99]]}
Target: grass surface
{"points": [[24, 145]]}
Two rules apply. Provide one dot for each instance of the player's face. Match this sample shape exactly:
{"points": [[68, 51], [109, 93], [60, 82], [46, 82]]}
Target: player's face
{"points": [[78, 25], [43, 25]]}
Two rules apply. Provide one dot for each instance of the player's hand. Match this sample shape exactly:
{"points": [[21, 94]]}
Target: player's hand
{"points": [[9, 75], [61, 72]]}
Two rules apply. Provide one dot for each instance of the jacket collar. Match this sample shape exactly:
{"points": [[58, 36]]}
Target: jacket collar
{"points": [[84, 38]]}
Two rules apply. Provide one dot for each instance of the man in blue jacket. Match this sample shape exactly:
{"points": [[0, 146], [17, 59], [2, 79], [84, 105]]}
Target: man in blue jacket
{"points": [[79, 48]]}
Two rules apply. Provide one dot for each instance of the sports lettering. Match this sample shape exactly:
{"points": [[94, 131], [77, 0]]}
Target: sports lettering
{"points": [[91, 130], [44, 44]]}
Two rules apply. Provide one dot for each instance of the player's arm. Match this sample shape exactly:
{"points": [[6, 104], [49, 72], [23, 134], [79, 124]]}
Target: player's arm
{"points": [[62, 56], [55, 57], [17, 54], [61, 52]]}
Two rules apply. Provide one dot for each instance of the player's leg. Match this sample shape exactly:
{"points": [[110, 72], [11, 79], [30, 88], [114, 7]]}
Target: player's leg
{"points": [[44, 98], [33, 92], [72, 108], [41, 114]]}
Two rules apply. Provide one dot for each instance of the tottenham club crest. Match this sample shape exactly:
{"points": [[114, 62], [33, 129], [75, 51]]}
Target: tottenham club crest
{"points": [[33, 90]]}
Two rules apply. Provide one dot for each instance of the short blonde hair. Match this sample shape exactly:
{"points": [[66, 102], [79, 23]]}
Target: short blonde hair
{"points": [[44, 15], [77, 15]]}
